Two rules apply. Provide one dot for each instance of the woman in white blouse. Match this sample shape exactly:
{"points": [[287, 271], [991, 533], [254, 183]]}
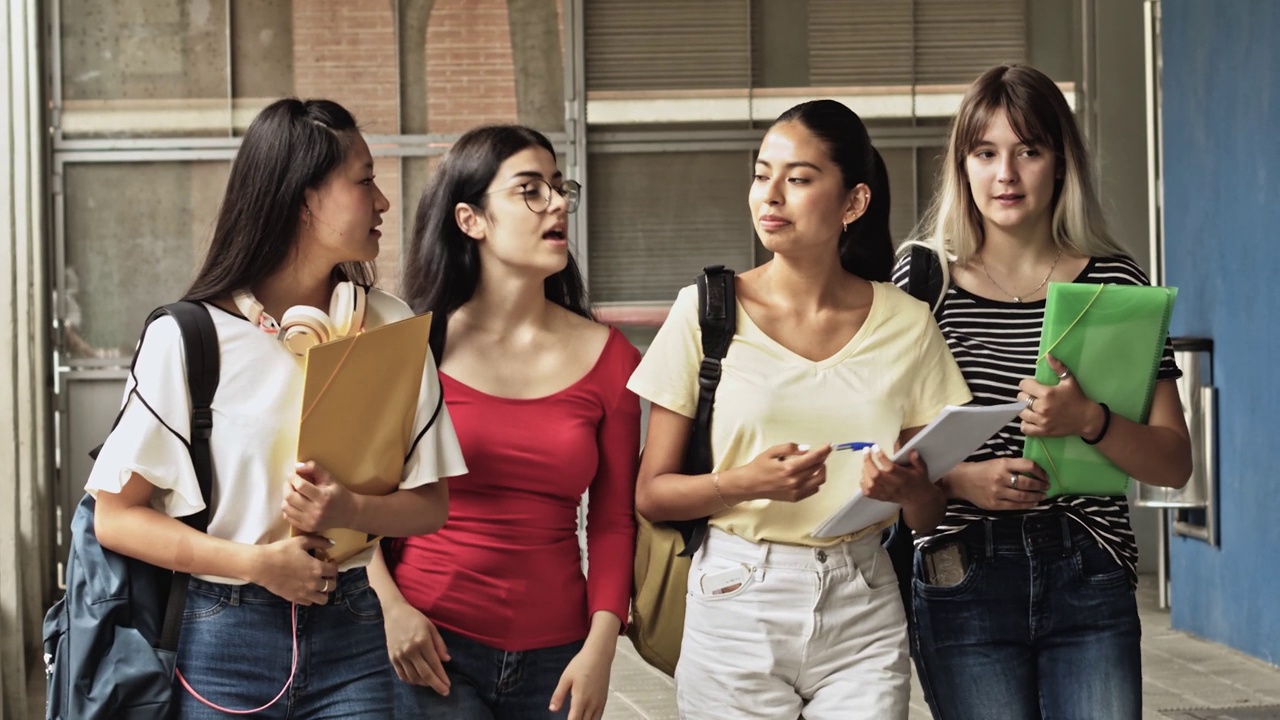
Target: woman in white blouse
{"points": [[295, 238]]}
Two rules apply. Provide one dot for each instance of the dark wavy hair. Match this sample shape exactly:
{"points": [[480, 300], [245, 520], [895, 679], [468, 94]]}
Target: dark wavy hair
{"points": [[866, 247], [291, 146], [442, 268]]}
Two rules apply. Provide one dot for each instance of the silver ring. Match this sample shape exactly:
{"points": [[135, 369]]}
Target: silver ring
{"points": [[1064, 374], [1030, 401], [1013, 481], [325, 589]]}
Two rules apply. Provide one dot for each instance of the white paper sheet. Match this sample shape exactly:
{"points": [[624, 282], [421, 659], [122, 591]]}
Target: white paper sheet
{"points": [[942, 444]]}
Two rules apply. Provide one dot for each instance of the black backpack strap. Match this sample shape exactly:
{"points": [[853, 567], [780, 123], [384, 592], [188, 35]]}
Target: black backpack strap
{"points": [[718, 321], [200, 351], [435, 345], [924, 283]]}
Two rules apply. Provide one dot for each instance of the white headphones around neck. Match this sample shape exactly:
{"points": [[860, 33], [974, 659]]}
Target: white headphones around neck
{"points": [[302, 326]]}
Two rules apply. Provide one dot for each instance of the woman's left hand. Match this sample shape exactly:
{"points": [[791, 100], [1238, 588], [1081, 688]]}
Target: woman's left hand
{"points": [[883, 479], [585, 682], [314, 501], [1057, 410]]}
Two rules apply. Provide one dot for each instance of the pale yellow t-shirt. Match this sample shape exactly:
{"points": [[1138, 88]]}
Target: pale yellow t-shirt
{"points": [[895, 373]]}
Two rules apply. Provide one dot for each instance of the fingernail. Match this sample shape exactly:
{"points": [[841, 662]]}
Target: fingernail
{"points": [[332, 542], [801, 448]]}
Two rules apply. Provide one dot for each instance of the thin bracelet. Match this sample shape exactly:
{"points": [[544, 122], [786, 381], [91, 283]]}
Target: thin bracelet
{"points": [[1106, 424], [715, 480]]}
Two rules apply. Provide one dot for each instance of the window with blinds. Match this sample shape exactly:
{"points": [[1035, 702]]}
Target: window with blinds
{"points": [[659, 68], [923, 42], [745, 44], [667, 44]]}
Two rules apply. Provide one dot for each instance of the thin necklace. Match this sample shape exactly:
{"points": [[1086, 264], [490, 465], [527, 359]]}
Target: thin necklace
{"points": [[1018, 298]]}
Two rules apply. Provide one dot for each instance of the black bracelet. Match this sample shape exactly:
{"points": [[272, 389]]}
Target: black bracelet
{"points": [[1106, 423]]}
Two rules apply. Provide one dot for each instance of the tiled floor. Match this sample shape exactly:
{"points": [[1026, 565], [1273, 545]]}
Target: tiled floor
{"points": [[1184, 679]]}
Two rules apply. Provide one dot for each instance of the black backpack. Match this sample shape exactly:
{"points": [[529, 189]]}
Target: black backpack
{"points": [[718, 321], [111, 643], [924, 283], [663, 550]]}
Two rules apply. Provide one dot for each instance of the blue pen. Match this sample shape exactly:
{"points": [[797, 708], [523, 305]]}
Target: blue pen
{"points": [[853, 446]]}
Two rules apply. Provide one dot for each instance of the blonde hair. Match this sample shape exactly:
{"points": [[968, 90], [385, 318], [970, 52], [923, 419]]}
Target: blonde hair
{"points": [[1039, 115]]}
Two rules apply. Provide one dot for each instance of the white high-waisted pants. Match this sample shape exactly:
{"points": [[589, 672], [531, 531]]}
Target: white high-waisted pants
{"points": [[818, 631]]}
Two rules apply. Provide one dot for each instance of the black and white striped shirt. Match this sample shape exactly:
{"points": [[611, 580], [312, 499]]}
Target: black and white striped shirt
{"points": [[995, 344]]}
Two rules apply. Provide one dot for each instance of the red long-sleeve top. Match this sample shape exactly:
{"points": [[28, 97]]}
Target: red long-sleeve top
{"points": [[506, 569]]}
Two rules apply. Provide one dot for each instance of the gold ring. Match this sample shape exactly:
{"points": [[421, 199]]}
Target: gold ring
{"points": [[1064, 374], [1030, 401], [325, 589]]}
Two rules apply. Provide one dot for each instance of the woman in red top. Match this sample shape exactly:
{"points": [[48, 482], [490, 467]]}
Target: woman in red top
{"points": [[492, 617]]}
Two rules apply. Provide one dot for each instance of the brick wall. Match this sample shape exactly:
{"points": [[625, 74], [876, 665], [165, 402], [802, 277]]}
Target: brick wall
{"points": [[346, 51], [469, 66]]}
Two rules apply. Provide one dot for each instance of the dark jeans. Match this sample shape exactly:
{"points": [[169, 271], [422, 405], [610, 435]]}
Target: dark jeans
{"points": [[490, 684], [237, 647], [1044, 625]]}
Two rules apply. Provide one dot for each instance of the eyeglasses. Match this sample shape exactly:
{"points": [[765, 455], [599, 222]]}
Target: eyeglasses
{"points": [[537, 194]]}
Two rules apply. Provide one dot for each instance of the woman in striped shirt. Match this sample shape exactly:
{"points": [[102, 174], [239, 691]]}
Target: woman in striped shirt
{"points": [[1024, 605]]}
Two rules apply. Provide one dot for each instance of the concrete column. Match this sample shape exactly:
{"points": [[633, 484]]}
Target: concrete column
{"points": [[25, 447]]}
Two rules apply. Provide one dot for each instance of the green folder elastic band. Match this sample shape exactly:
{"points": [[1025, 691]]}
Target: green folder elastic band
{"points": [[1053, 466]]}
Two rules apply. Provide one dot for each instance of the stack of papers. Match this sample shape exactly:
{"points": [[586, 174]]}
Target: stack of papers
{"points": [[942, 444]]}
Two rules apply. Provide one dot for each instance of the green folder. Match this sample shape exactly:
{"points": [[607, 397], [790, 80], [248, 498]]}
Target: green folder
{"points": [[1111, 337]]}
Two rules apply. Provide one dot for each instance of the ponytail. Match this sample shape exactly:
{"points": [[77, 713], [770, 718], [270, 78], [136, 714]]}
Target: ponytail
{"points": [[866, 247]]}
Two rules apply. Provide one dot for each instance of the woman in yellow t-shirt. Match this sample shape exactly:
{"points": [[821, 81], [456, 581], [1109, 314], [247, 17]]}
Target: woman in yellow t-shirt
{"points": [[778, 622]]}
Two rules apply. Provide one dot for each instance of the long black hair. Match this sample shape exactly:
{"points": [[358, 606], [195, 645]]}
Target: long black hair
{"points": [[866, 247], [291, 146], [442, 269]]}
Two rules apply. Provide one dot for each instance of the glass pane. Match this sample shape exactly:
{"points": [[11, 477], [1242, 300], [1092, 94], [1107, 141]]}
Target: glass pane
{"points": [[144, 67], [135, 235], [262, 52], [394, 231], [928, 166], [415, 171], [657, 218], [900, 162]]}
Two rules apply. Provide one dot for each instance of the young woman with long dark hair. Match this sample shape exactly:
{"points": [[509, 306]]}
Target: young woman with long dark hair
{"points": [[295, 239], [779, 623], [493, 617]]}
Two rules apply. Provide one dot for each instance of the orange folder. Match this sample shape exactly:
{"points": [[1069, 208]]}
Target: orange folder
{"points": [[358, 408]]}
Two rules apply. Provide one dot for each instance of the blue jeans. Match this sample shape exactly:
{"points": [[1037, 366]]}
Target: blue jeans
{"points": [[486, 683], [1043, 626], [237, 648]]}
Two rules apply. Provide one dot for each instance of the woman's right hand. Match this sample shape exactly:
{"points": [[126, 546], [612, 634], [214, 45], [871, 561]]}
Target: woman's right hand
{"points": [[287, 569], [415, 647], [783, 472], [1000, 484]]}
